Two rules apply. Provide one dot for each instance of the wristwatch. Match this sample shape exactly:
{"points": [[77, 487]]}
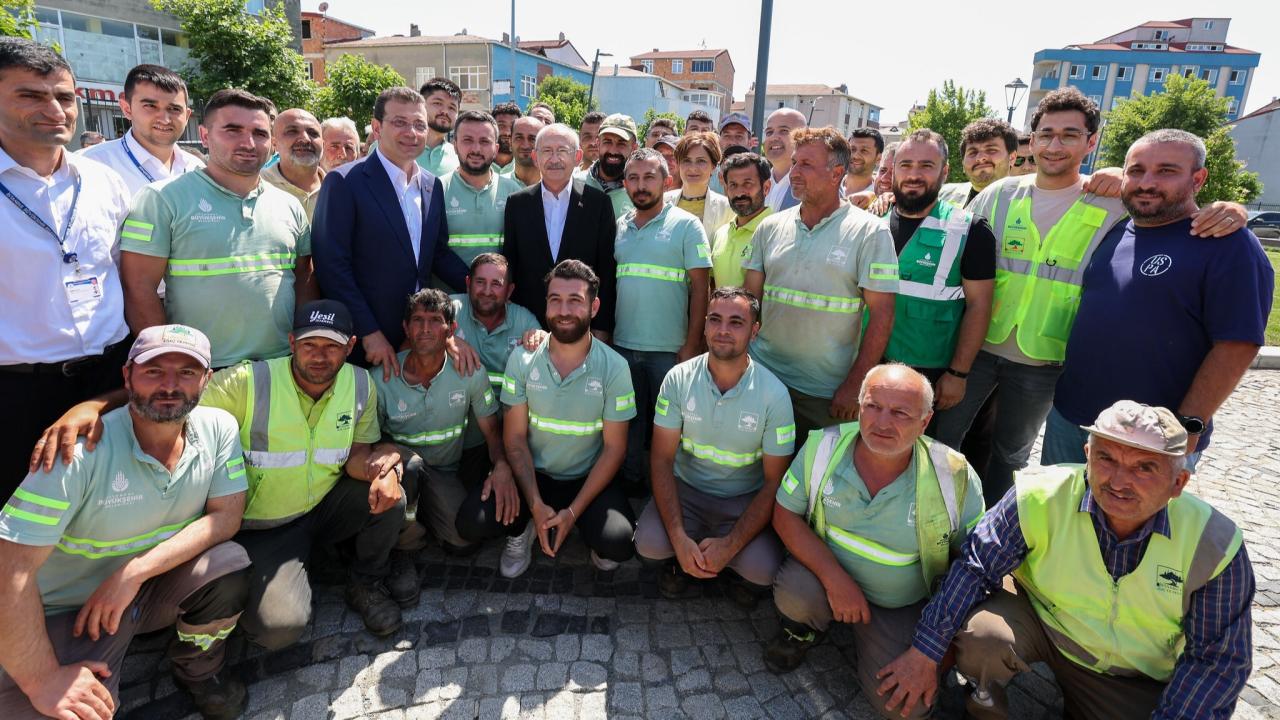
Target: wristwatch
{"points": [[1192, 424]]}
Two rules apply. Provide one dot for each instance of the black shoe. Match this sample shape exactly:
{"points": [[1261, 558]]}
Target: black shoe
{"points": [[380, 613], [220, 697], [403, 584], [787, 649], [741, 595], [672, 582]]}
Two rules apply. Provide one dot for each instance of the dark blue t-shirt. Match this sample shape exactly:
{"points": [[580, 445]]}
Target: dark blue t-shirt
{"points": [[1154, 302]]}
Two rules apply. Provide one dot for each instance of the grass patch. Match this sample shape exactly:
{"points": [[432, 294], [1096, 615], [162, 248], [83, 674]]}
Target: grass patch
{"points": [[1273, 322]]}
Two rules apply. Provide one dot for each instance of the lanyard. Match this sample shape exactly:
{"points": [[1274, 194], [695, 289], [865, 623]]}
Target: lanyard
{"points": [[69, 258], [124, 142]]}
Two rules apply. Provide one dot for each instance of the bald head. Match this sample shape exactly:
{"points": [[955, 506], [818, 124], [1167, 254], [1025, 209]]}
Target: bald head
{"points": [[898, 377], [296, 134], [777, 138], [790, 116]]}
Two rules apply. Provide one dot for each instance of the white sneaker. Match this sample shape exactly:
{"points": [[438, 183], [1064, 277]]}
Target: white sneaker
{"points": [[603, 564], [517, 556]]}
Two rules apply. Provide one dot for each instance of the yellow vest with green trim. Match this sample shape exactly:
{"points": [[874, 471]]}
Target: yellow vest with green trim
{"points": [[1038, 281], [292, 466], [1131, 627], [942, 479]]}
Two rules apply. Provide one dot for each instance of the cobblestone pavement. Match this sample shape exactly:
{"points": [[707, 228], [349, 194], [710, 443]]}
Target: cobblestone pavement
{"points": [[565, 641]]}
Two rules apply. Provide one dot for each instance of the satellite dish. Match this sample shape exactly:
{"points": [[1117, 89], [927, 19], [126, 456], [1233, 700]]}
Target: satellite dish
{"points": [[324, 7]]}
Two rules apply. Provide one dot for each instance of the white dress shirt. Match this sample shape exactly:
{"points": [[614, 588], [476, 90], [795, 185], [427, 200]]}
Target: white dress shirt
{"points": [[413, 192], [779, 193], [555, 209], [43, 319], [113, 155]]}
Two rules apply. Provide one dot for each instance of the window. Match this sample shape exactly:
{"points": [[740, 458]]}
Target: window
{"points": [[306, 29], [1097, 100], [1099, 72], [1237, 77], [1077, 72], [703, 66], [423, 75], [255, 7], [647, 65], [1161, 35], [311, 71], [677, 66], [1117, 100], [711, 100], [1192, 47], [528, 86], [1149, 46], [1233, 104], [1157, 75], [468, 77], [1189, 71], [1206, 25], [1124, 73], [1209, 75]]}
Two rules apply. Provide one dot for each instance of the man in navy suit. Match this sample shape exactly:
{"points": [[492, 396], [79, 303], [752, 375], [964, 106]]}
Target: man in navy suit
{"points": [[379, 231]]}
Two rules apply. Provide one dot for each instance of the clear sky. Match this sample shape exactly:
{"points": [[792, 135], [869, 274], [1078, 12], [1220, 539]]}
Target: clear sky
{"points": [[886, 58]]}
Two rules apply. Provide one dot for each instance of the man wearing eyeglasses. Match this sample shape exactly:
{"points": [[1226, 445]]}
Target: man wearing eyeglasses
{"points": [[1047, 228], [380, 230]]}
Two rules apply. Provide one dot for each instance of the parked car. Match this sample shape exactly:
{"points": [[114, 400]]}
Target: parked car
{"points": [[1265, 223]]}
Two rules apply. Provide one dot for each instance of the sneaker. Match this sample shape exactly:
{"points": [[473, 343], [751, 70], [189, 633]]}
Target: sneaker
{"points": [[220, 697], [787, 649], [603, 564], [381, 614], [673, 583], [403, 584], [518, 554]]}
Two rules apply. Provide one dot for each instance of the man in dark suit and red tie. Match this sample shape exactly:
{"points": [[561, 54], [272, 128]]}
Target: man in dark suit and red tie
{"points": [[559, 219]]}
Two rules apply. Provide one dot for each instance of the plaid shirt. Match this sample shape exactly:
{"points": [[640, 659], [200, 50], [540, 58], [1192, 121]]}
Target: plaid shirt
{"points": [[1214, 666]]}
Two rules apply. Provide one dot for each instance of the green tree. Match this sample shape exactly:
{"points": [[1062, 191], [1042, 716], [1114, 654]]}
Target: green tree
{"points": [[650, 116], [232, 49], [353, 84], [567, 98], [946, 112], [18, 18], [1185, 104]]}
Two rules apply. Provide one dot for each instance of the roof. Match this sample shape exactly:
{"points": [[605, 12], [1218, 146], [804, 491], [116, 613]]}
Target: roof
{"points": [[1270, 107], [802, 89], [1176, 47], [668, 54], [541, 44], [307, 14], [414, 40]]}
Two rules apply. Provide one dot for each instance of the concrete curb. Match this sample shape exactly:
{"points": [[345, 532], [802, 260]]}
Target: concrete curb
{"points": [[1268, 358]]}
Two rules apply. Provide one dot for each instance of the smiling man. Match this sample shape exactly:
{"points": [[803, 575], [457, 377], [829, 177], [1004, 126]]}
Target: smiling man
{"points": [[778, 149], [442, 98], [617, 141], [524, 136], [475, 195], [987, 147], [297, 137]]}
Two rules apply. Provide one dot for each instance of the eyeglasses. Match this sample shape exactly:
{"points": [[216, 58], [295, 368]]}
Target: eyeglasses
{"points": [[1070, 138], [564, 153], [402, 124]]}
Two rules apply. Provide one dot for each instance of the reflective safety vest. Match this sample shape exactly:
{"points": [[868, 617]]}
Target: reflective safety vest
{"points": [[1130, 627], [930, 301], [942, 478], [1038, 282], [955, 193], [292, 466]]}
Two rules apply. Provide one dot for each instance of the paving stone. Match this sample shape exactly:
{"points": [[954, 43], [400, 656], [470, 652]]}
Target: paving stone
{"points": [[568, 647], [552, 675], [382, 697], [693, 681], [586, 676], [349, 667], [784, 708], [348, 703], [703, 707], [627, 664], [437, 657], [653, 669], [560, 705], [518, 678], [394, 664], [500, 648], [633, 637], [267, 693], [593, 706], [625, 697], [672, 635], [766, 686], [598, 648], [731, 682], [309, 707], [660, 699], [744, 708], [535, 649]]}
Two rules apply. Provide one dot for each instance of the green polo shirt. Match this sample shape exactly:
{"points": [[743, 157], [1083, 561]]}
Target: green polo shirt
{"points": [[231, 260], [475, 216], [117, 502], [888, 520], [617, 196], [507, 169], [431, 420], [439, 160], [653, 281], [811, 321], [228, 390], [493, 347], [731, 247], [567, 415], [724, 436]]}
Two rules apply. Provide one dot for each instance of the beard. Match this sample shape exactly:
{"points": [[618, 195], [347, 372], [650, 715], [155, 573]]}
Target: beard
{"points": [[744, 205], [1169, 209], [143, 406], [479, 168], [916, 203], [315, 377], [648, 202], [439, 126], [504, 146], [612, 165], [571, 334], [307, 157]]}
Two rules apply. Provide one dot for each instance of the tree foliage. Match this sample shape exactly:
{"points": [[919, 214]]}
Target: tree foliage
{"points": [[232, 49], [567, 98], [1185, 104], [946, 112], [650, 116], [352, 85], [18, 18]]}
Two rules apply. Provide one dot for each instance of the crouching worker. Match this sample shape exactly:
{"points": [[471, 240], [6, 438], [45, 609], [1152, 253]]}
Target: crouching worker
{"points": [[130, 538]]}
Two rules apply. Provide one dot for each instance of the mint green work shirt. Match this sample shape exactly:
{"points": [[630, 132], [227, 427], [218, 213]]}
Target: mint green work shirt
{"points": [[867, 527], [567, 414], [811, 319], [439, 160], [431, 420], [231, 260], [725, 436], [493, 347], [653, 280], [117, 502], [474, 216], [617, 197]]}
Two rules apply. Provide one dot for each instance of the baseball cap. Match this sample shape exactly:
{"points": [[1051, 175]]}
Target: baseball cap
{"points": [[619, 124], [669, 140], [1141, 426], [736, 117], [323, 318], [161, 339]]}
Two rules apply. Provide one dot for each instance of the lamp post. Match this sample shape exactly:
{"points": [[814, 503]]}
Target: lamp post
{"points": [[595, 66], [1013, 95]]}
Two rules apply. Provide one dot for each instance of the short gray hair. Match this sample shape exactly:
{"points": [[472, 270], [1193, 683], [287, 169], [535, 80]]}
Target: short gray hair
{"points": [[341, 123], [1171, 135], [560, 129], [647, 155], [927, 392]]}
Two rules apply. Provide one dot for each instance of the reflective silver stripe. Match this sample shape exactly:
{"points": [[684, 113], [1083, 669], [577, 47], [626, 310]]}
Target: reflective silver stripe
{"points": [[930, 292], [957, 228], [1081, 656], [821, 459], [330, 456], [259, 428], [1217, 544], [362, 391], [1013, 265], [1058, 273], [275, 460], [941, 459]]}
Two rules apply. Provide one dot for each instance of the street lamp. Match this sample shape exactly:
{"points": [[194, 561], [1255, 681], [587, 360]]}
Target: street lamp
{"points": [[1013, 95], [595, 66]]}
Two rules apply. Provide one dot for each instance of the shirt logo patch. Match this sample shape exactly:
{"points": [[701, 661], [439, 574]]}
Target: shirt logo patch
{"points": [[402, 405], [663, 236], [535, 375], [344, 421], [1156, 265], [748, 422], [204, 206], [206, 214], [927, 261], [595, 386], [1169, 580], [454, 202], [691, 405], [829, 488], [120, 483], [837, 256], [456, 398]]}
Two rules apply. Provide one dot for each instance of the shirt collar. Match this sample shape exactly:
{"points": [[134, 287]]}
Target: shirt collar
{"points": [[1158, 523], [656, 221], [255, 192], [469, 309], [7, 163], [841, 210], [398, 177], [560, 197], [190, 448], [755, 221]]}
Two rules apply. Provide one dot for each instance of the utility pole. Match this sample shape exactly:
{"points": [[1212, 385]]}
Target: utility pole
{"points": [[762, 66], [514, 96]]}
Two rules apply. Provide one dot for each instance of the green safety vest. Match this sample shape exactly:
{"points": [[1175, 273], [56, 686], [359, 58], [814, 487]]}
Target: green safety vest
{"points": [[942, 478], [930, 301], [1038, 282], [1131, 627], [292, 466]]}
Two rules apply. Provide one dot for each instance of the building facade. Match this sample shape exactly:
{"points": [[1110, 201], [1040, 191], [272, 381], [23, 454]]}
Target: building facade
{"points": [[560, 49], [1257, 137], [705, 76], [319, 29], [823, 105], [632, 92]]}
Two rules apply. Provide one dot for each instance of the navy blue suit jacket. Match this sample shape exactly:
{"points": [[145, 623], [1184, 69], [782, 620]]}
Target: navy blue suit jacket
{"points": [[360, 246]]}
